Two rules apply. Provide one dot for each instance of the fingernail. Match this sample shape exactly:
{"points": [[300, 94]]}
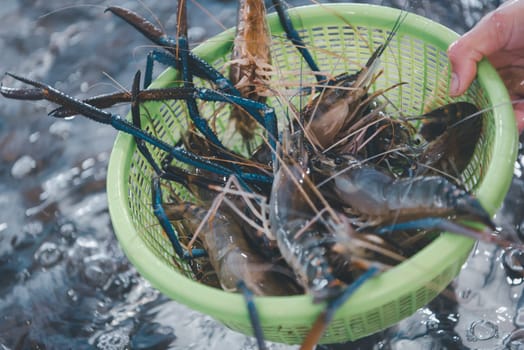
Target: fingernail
{"points": [[454, 85]]}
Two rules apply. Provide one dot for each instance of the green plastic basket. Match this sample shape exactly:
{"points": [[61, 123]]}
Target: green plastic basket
{"points": [[416, 55]]}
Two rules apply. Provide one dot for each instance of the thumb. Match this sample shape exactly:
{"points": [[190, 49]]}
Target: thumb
{"points": [[463, 66]]}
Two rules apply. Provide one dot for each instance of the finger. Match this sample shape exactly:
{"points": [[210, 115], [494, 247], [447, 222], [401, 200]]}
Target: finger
{"points": [[490, 35]]}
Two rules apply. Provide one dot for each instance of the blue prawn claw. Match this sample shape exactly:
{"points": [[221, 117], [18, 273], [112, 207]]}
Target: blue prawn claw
{"points": [[442, 224], [170, 56], [163, 219], [387, 204]]}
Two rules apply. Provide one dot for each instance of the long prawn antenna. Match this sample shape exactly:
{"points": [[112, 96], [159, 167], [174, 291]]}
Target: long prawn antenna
{"points": [[380, 50]]}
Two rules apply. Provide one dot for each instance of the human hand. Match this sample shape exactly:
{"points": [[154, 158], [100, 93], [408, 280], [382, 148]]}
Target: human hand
{"points": [[499, 36]]}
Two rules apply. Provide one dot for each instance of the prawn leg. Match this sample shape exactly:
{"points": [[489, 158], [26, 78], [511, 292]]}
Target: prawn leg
{"points": [[293, 35], [253, 315], [263, 114], [178, 55], [100, 102], [163, 219], [135, 115], [170, 57], [46, 92], [179, 47], [326, 316]]}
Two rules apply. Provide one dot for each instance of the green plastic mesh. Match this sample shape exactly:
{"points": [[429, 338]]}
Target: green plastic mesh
{"points": [[341, 37]]}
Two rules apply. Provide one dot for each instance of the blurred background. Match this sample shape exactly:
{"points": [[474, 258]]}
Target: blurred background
{"points": [[65, 283]]}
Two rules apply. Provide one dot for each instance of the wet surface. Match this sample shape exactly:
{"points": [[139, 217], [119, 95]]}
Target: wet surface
{"points": [[65, 283]]}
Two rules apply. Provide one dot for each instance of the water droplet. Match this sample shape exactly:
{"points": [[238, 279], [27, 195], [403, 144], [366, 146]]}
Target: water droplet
{"points": [[519, 318], [514, 259], [513, 262], [60, 128], [71, 293], [84, 86], [102, 157], [88, 163], [196, 33], [407, 344], [33, 228], [23, 167], [119, 285], [520, 229], [97, 270], [87, 243], [68, 231], [153, 336], [482, 330], [467, 295], [23, 275], [34, 137], [514, 281], [103, 306], [115, 340], [432, 324], [48, 254]]}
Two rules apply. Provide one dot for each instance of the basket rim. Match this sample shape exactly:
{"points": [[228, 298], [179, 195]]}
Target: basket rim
{"points": [[291, 310]]}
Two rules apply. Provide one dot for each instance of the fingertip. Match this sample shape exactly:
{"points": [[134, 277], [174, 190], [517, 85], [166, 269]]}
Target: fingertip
{"points": [[460, 79], [463, 71]]}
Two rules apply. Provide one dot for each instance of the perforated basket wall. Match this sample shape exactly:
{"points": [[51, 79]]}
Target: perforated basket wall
{"points": [[416, 56]]}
